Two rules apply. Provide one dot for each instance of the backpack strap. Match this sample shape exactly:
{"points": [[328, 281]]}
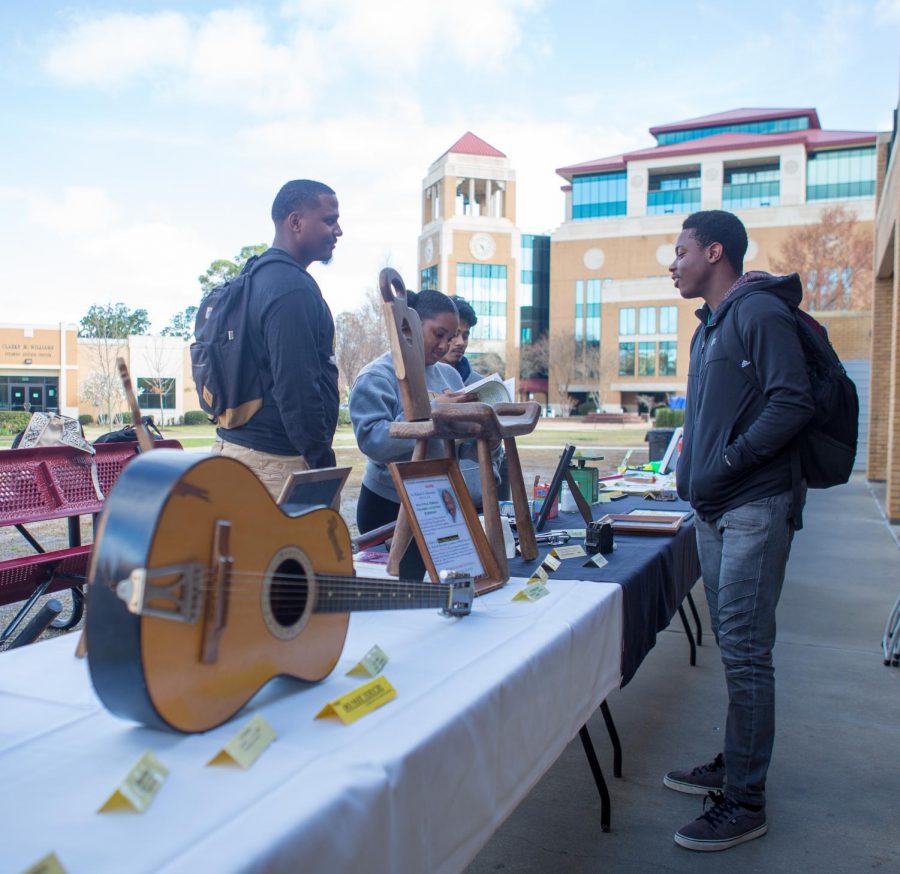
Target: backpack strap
{"points": [[738, 358]]}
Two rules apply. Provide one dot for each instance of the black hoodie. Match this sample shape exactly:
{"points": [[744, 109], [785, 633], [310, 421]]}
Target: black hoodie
{"points": [[737, 441]]}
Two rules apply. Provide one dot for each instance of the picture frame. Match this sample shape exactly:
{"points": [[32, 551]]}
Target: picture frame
{"points": [[637, 522], [445, 522], [673, 451], [559, 475], [305, 490]]}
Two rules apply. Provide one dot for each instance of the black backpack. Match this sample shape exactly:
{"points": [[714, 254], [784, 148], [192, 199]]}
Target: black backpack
{"points": [[128, 433], [826, 446], [227, 352]]}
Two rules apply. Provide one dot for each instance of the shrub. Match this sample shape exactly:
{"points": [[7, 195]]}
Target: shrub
{"points": [[196, 417], [85, 419], [344, 415], [666, 418], [13, 421], [585, 407]]}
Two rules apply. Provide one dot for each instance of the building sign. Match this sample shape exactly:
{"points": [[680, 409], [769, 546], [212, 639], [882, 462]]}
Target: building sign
{"points": [[18, 351]]}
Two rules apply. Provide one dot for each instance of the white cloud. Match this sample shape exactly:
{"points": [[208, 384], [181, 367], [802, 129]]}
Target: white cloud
{"points": [[112, 50], [888, 10], [78, 211]]}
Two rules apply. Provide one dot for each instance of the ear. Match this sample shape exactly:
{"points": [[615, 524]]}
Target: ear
{"points": [[714, 253], [294, 221]]}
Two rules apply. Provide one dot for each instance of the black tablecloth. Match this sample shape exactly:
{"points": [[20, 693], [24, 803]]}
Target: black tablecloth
{"points": [[655, 571]]}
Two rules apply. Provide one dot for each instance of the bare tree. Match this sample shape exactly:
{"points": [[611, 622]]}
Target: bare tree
{"points": [[102, 391], [488, 363], [159, 358], [534, 358], [103, 376], [564, 368], [360, 337], [834, 259]]}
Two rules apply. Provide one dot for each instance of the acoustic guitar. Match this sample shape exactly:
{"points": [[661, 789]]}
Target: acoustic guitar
{"points": [[201, 590]]}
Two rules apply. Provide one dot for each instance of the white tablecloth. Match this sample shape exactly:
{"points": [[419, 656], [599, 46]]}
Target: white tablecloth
{"points": [[484, 706]]}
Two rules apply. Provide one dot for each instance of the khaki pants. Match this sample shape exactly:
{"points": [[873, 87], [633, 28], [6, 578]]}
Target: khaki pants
{"points": [[273, 471]]}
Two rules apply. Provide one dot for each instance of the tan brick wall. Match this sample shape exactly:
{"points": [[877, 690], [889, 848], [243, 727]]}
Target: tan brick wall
{"points": [[892, 497], [880, 384], [850, 332]]}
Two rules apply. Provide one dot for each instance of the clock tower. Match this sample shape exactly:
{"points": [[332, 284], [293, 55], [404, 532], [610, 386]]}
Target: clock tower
{"points": [[469, 244]]}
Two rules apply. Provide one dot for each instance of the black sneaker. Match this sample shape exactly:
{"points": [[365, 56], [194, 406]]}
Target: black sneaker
{"points": [[724, 824], [699, 780]]}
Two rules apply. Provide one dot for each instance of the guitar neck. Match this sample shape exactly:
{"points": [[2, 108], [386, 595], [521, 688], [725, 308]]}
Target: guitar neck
{"points": [[359, 594]]}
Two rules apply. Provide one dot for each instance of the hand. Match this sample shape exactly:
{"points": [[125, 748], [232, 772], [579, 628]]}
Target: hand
{"points": [[456, 397]]}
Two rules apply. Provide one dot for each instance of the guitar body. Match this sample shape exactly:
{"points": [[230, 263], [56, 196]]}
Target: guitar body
{"points": [[247, 616]]}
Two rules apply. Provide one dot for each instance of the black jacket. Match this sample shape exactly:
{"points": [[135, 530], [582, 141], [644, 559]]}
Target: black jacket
{"points": [[300, 406], [737, 441]]}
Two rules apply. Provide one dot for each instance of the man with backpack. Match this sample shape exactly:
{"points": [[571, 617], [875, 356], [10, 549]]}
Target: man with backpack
{"points": [[291, 425], [749, 397]]}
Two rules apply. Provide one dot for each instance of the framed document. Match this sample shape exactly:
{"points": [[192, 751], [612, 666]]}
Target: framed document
{"points": [[445, 522], [307, 489]]}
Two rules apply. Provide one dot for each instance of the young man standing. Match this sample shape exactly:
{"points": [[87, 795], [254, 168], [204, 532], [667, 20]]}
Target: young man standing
{"points": [[741, 475], [295, 426], [456, 354]]}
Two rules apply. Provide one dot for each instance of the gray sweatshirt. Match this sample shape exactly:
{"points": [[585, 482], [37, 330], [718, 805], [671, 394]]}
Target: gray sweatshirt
{"points": [[375, 404]]}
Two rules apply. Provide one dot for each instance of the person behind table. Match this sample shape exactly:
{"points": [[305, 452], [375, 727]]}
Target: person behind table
{"points": [[456, 358], [295, 426], [736, 470], [375, 405]]}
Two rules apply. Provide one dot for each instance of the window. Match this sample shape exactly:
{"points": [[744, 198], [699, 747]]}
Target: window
{"points": [[429, 278], [668, 320], [840, 174], [587, 311], [748, 187], [626, 321], [599, 195], [626, 359], [484, 287], [647, 320], [156, 393], [646, 359], [673, 192], [668, 358], [534, 285], [767, 126]]}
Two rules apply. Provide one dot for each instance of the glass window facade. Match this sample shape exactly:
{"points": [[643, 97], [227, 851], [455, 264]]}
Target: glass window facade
{"points": [[668, 358], [646, 359], [626, 359], [29, 393], [429, 278], [770, 126], [148, 393], [484, 287], [748, 187], [673, 192], [587, 311], [599, 195], [534, 287], [627, 321], [840, 174], [647, 320], [668, 320]]}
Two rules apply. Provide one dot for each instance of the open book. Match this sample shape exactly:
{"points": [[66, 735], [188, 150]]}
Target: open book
{"points": [[493, 389]]}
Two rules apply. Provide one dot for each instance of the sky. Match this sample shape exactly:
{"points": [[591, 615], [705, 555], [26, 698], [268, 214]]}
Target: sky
{"points": [[142, 140]]}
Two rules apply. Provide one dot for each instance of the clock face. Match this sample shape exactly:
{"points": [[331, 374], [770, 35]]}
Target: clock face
{"points": [[429, 249], [482, 246]]}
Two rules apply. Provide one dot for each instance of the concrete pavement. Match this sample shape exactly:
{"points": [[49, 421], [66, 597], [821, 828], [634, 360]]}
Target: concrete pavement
{"points": [[834, 783]]}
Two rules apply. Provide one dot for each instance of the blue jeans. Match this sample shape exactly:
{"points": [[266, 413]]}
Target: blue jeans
{"points": [[743, 555]]}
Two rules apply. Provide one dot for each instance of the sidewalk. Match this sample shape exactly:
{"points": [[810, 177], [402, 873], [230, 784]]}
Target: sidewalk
{"points": [[833, 783]]}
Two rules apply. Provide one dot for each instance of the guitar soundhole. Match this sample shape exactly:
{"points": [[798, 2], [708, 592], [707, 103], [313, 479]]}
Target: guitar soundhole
{"points": [[287, 594]]}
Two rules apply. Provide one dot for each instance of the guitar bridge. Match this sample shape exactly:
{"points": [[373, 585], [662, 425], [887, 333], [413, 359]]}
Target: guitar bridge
{"points": [[171, 592]]}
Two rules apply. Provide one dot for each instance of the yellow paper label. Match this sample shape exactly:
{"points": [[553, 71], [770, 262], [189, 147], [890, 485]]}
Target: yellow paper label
{"points": [[532, 592], [139, 788], [551, 562], [569, 551], [596, 561], [371, 664], [539, 573], [247, 745], [576, 533], [50, 864], [362, 700]]}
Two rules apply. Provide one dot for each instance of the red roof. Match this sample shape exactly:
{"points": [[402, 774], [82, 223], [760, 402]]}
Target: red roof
{"points": [[469, 144], [737, 116], [812, 138]]}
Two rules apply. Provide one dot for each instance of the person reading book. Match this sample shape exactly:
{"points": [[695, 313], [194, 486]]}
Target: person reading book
{"points": [[375, 404]]}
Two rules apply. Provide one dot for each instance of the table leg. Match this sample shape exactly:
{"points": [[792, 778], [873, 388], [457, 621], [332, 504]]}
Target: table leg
{"points": [[605, 804], [690, 636], [614, 739], [693, 606]]}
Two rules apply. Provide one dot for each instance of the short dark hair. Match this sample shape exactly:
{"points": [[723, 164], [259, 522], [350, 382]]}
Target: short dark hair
{"points": [[718, 226], [297, 194], [430, 303], [466, 313]]}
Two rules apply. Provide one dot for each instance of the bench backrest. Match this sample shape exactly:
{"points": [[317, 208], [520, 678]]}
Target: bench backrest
{"points": [[54, 482]]}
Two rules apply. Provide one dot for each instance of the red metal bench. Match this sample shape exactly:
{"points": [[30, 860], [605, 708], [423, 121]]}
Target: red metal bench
{"points": [[57, 482]]}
